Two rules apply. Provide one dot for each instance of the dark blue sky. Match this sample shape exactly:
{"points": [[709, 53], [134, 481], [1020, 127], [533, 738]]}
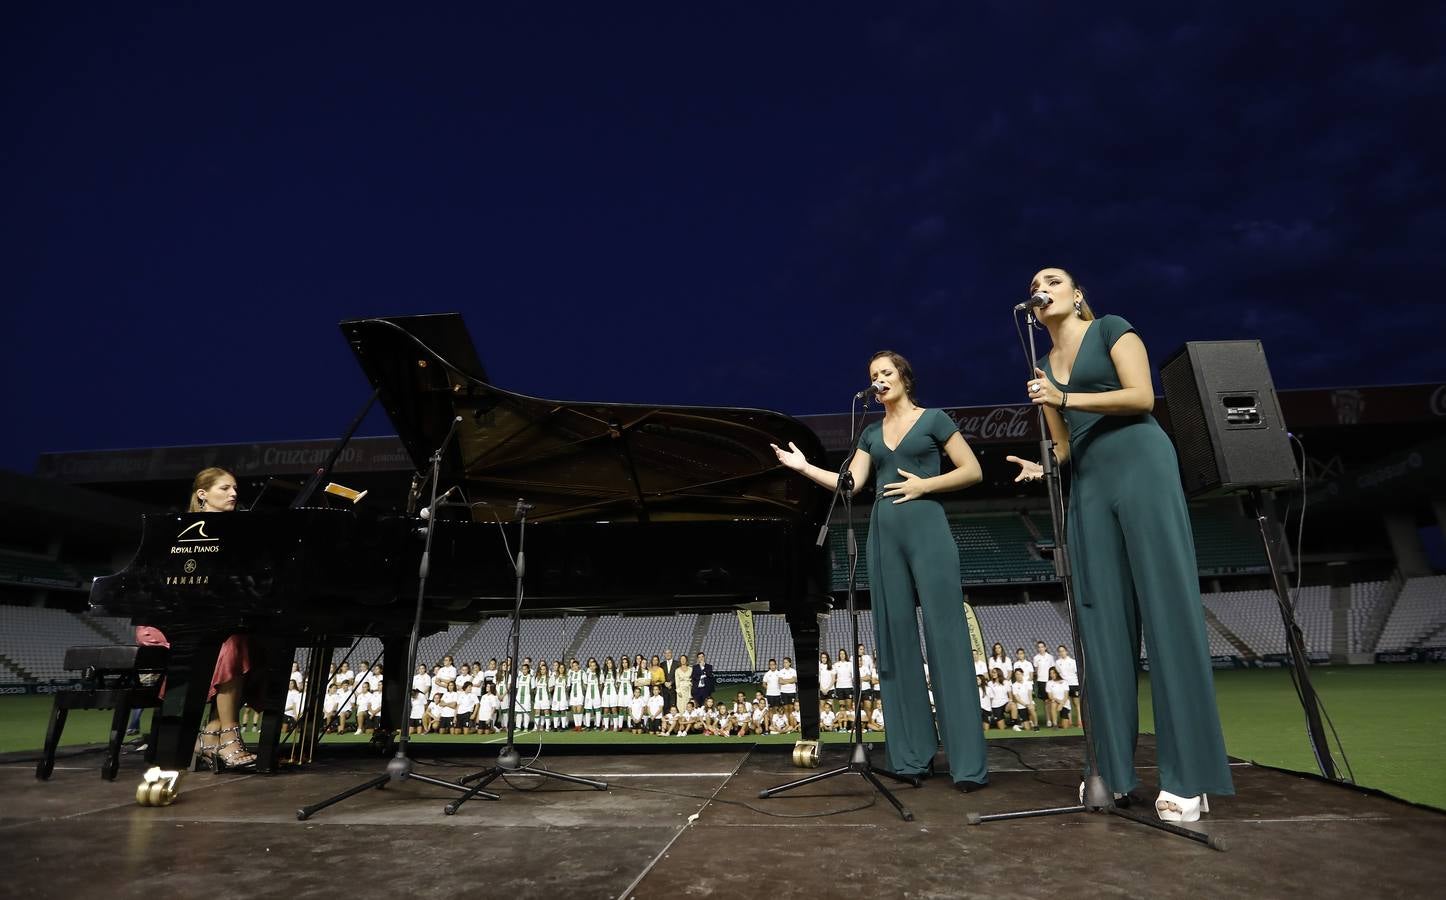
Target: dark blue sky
{"points": [[731, 205]]}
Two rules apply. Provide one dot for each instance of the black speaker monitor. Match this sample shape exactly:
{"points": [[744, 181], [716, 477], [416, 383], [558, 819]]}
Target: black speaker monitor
{"points": [[1225, 418]]}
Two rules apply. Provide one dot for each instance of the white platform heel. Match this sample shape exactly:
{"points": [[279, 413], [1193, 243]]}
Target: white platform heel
{"points": [[1186, 809]]}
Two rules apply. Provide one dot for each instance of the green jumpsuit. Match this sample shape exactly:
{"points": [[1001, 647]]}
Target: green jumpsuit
{"points": [[1133, 558], [912, 557]]}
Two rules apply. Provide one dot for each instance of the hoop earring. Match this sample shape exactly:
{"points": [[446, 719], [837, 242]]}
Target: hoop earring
{"points": [[1078, 309]]}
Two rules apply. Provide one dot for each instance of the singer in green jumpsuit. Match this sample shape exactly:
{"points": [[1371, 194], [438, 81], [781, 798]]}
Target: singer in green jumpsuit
{"points": [[1133, 558], [912, 557]]}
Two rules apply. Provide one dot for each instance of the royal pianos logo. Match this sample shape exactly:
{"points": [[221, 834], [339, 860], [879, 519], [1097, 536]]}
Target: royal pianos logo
{"points": [[196, 531], [193, 541]]}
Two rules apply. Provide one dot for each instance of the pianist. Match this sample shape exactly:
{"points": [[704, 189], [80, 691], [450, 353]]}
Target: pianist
{"points": [[219, 745]]}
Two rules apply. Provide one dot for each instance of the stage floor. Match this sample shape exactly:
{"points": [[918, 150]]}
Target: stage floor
{"points": [[691, 824]]}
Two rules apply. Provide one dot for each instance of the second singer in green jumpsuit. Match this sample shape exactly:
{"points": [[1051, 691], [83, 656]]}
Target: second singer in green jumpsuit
{"points": [[912, 557], [1133, 556]]}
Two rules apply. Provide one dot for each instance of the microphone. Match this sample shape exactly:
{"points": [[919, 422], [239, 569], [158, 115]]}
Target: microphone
{"points": [[1037, 299], [871, 389], [426, 511], [522, 507]]}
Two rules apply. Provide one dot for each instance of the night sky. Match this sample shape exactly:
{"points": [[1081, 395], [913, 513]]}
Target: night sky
{"points": [[720, 205]]}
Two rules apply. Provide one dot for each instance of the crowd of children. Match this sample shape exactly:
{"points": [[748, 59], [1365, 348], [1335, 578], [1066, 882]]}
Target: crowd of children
{"points": [[1011, 689], [636, 695]]}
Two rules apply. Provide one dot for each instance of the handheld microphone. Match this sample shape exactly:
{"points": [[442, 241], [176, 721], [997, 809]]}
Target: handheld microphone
{"points": [[1037, 299], [522, 507], [426, 511], [871, 389]]}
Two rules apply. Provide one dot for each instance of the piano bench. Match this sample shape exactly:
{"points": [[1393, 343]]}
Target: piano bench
{"points": [[122, 678]]}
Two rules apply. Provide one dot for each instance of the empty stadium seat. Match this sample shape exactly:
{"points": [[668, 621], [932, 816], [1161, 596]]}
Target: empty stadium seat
{"points": [[1420, 611]]}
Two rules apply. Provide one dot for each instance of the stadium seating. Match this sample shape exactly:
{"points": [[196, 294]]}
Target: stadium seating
{"points": [[1367, 600], [1420, 611], [488, 641], [1021, 624], [999, 548], [1313, 614], [35, 638], [117, 628], [1252, 616], [1226, 541], [773, 639], [1220, 645], [724, 644], [639, 634]]}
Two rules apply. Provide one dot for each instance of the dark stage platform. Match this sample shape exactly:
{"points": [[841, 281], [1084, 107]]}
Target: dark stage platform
{"points": [[690, 824]]}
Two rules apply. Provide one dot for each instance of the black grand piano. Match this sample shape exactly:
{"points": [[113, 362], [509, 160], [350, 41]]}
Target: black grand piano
{"points": [[636, 508]]}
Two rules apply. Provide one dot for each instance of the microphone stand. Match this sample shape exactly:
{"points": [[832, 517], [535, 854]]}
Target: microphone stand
{"points": [[509, 761], [1097, 797], [858, 763], [399, 767]]}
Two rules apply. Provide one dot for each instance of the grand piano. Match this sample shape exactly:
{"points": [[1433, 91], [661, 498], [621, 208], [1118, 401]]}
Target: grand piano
{"points": [[635, 508]]}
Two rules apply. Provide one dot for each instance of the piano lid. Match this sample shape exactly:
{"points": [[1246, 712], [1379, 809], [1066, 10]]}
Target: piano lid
{"points": [[577, 460]]}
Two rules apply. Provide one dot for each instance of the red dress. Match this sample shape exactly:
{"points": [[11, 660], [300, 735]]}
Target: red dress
{"points": [[233, 662]]}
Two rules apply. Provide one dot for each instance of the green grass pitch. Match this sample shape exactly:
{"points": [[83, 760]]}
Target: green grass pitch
{"points": [[1386, 715]]}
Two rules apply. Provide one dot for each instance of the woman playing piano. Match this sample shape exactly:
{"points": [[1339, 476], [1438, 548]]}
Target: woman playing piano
{"points": [[912, 557], [219, 745]]}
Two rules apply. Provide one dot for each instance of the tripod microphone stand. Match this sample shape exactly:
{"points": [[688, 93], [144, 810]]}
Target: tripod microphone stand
{"points": [[399, 767], [858, 763], [1097, 797], [509, 761]]}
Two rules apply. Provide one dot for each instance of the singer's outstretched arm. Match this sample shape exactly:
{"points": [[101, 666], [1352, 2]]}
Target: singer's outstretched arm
{"points": [[794, 459]]}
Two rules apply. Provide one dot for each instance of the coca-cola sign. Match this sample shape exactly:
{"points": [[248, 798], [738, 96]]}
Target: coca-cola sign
{"points": [[978, 424], [999, 423]]}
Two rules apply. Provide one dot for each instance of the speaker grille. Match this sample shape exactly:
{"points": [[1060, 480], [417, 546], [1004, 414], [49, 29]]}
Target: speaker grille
{"points": [[1224, 446], [1198, 467]]}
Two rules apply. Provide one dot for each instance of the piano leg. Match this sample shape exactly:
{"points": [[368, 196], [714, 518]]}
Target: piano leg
{"points": [[396, 688], [275, 675], [311, 727], [804, 625], [188, 680]]}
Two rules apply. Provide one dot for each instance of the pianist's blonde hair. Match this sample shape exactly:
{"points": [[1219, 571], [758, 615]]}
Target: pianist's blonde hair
{"points": [[205, 480]]}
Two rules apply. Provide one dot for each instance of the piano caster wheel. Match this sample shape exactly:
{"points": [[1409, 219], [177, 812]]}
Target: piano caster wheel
{"points": [[158, 788], [805, 754]]}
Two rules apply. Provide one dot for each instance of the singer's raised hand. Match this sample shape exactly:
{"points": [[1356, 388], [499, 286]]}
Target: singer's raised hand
{"points": [[792, 458], [1042, 391], [1028, 470]]}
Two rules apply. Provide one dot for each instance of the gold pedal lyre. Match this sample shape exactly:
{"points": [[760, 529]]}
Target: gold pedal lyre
{"points": [[805, 754], [158, 787]]}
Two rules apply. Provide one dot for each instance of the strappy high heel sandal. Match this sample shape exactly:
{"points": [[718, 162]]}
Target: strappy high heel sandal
{"points": [[204, 754], [232, 754], [1186, 809]]}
